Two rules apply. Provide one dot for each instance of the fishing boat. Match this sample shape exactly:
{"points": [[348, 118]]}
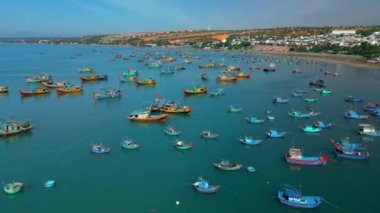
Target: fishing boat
{"points": [[326, 92], [226, 165], [86, 70], [311, 100], [51, 85], [207, 66], [372, 107], [318, 83], [38, 78], [187, 61], [171, 131], [270, 117], [279, 100], [275, 134], [203, 186], [218, 92], [130, 73], [208, 135], [99, 149], [242, 75], [354, 115], [296, 71], [179, 67], [129, 144], [69, 88], [196, 90], [49, 183], [166, 72], [257, 68], [146, 81], [11, 127], [298, 114], [296, 94], [271, 68], [111, 93], [234, 109], [13, 187], [293, 197], [128, 79], [335, 74], [35, 91], [3, 89], [204, 77], [352, 99], [145, 116], [254, 120], [310, 129], [294, 156], [368, 129], [154, 65], [312, 113], [224, 78], [179, 144], [322, 124], [302, 91], [347, 149], [248, 140], [376, 112], [172, 107], [93, 77]]}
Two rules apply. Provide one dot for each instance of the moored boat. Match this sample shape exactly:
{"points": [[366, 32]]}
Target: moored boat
{"points": [[99, 149], [52, 85], [208, 135], [171, 131], [318, 83], [145, 116], [294, 156], [111, 93], [196, 90], [93, 77], [204, 77], [13, 187], [372, 107], [354, 115], [352, 99], [12, 127], [310, 129], [234, 109], [311, 100], [203, 186], [35, 91], [3, 89], [326, 92], [292, 197], [49, 183], [298, 114], [368, 129], [242, 75], [275, 134], [254, 120], [279, 100], [224, 78], [146, 81], [322, 124], [347, 149], [172, 107], [226, 165], [69, 88], [248, 140], [180, 144], [129, 144]]}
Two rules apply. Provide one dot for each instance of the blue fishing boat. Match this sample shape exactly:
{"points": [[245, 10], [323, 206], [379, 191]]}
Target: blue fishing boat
{"points": [[279, 100], [130, 73], [171, 131], [372, 107], [254, 120], [298, 114], [208, 135], [129, 144], [376, 112], [293, 197], [368, 129], [352, 99], [226, 165], [203, 186], [322, 124], [248, 140], [347, 149], [275, 134], [296, 94], [99, 149], [294, 156], [354, 115]]}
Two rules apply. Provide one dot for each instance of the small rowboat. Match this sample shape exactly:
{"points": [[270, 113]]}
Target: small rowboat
{"points": [[99, 149], [49, 183], [145, 116], [129, 144], [208, 135], [249, 140], [171, 131], [203, 186], [275, 134], [234, 109], [226, 165], [13, 188], [179, 144], [36, 91], [294, 156], [310, 129], [294, 198], [196, 90], [254, 120], [93, 78]]}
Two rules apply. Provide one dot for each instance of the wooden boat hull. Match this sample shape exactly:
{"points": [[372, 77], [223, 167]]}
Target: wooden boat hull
{"points": [[30, 93], [63, 90], [152, 118], [142, 83], [97, 78], [2, 133], [191, 92]]}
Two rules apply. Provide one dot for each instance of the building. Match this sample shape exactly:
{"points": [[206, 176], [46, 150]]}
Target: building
{"points": [[343, 32]]}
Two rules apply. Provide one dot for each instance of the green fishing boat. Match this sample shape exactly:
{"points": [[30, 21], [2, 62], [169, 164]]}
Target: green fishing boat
{"points": [[310, 129], [311, 100], [182, 145], [326, 92]]}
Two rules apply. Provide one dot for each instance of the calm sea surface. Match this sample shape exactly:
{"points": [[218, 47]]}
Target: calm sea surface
{"points": [[153, 178]]}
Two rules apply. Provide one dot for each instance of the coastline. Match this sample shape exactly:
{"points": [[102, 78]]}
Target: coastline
{"points": [[355, 61]]}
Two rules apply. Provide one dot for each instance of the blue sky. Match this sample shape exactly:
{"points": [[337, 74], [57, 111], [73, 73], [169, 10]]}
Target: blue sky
{"points": [[84, 17]]}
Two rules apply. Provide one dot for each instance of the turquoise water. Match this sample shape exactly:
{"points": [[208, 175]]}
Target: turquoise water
{"points": [[153, 178]]}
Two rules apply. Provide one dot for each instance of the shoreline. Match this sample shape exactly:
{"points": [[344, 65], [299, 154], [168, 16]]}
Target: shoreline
{"points": [[355, 61]]}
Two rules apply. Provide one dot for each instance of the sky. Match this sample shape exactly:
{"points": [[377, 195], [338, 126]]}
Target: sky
{"points": [[23, 18]]}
